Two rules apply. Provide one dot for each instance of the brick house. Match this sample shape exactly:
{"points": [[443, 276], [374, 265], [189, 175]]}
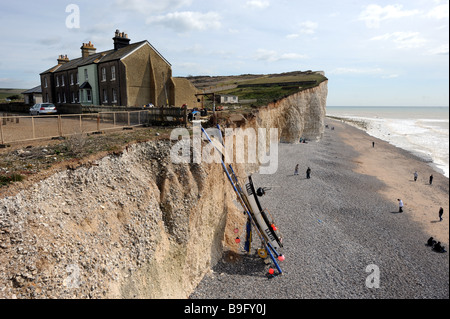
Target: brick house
{"points": [[130, 74]]}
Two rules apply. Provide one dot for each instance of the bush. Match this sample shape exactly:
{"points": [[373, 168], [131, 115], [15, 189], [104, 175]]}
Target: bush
{"points": [[11, 178]]}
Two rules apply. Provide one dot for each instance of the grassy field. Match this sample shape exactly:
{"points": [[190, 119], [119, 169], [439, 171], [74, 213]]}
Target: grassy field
{"points": [[5, 93], [266, 88]]}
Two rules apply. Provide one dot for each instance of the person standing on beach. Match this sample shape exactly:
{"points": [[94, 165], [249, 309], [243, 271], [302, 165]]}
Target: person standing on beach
{"points": [[441, 212], [400, 205], [308, 173], [373, 144], [415, 176], [431, 179], [296, 170]]}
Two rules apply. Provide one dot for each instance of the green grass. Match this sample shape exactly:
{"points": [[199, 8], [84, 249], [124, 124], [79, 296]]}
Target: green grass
{"points": [[265, 94], [10, 178], [5, 93]]}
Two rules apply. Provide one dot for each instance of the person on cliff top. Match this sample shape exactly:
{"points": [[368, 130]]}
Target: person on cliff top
{"points": [[308, 173], [415, 176], [296, 170], [441, 212], [431, 179]]}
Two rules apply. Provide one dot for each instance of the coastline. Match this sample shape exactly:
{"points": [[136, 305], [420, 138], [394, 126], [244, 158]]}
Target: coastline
{"points": [[343, 220], [364, 126], [395, 168]]}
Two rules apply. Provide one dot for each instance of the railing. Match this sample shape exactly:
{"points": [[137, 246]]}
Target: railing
{"points": [[167, 115], [27, 128]]}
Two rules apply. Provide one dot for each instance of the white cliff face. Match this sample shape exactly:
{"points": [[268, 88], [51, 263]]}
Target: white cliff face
{"points": [[298, 115]]}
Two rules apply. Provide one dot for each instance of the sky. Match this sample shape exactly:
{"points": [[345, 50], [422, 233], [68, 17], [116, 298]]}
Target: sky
{"points": [[374, 53]]}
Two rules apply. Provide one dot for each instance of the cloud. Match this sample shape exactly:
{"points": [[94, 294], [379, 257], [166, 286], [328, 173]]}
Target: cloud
{"points": [[359, 71], [403, 40], [390, 76], [50, 41], [273, 56], [439, 12], [374, 14], [150, 6], [187, 21], [441, 50], [257, 4], [307, 27]]}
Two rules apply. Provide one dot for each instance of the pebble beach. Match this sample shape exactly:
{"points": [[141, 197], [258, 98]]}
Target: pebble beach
{"points": [[342, 226]]}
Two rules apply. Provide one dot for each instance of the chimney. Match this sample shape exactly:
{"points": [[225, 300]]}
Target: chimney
{"points": [[63, 59], [87, 49], [120, 40]]}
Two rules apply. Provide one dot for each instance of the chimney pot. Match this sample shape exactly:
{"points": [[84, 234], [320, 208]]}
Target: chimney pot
{"points": [[63, 59], [121, 40], [87, 49]]}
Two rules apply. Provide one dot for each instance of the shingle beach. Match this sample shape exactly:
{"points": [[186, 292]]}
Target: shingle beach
{"points": [[342, 223]]}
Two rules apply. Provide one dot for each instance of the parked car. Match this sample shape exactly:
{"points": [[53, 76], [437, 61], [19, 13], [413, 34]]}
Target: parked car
{"points": [[43, 109]]}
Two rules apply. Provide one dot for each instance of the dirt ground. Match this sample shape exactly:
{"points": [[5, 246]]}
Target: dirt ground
{"points": [[38, 159]]}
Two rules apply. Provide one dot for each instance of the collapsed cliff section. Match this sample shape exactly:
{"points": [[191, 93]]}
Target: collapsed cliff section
{"points": [[130, 225], [133, 224]]}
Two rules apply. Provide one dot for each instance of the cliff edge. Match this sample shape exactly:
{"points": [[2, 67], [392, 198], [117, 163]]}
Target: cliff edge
{"points": [[133, 224]]}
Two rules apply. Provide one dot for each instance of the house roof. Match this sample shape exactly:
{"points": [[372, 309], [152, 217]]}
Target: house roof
{"points": [[100, 57], [85, 85], [36, 89]]}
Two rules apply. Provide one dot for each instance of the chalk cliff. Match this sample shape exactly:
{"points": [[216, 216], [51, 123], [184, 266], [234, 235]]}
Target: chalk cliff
{"points": [[133, 224], [298, 115]]}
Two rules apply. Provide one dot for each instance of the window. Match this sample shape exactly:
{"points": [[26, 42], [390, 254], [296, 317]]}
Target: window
{"points": [[71, 78], [113, 73], [45, 82], [89, 95], [73, 97], [57, 81], [62, 80], [85, 74], [78, 79], [59, 98], [64, 97], [105, 96], [103, 74], [114, 96]]}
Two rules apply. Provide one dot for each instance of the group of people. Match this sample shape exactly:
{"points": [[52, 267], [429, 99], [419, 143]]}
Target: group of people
{"points": [[308, 171], [436, 246], [431, 242], [416, 175]]}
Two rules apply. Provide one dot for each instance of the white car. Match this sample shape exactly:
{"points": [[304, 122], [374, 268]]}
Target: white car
{"points": [[43, 108]]}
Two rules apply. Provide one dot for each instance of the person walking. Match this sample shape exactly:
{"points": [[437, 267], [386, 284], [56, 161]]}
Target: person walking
{"points": [[441, 212], [415, 176], [308, 173], [400, 205], [431, 179], [296, 170]]}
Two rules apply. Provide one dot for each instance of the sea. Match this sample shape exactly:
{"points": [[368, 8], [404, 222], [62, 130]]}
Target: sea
{"points": [[423, 131]]}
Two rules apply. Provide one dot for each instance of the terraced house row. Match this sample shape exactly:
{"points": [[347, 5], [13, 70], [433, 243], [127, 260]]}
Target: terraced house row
{"points": [[130, 74]]}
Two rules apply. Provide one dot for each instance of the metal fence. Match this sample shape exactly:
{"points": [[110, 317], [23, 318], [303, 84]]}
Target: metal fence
{"points": [[27, 128]]}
